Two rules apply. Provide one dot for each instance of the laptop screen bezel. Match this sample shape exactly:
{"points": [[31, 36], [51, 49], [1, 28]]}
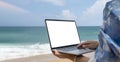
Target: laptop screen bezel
{"points": [[49, 35]]}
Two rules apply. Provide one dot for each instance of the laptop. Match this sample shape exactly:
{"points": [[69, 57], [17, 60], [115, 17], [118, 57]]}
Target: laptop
{"points": [[63, 36]]}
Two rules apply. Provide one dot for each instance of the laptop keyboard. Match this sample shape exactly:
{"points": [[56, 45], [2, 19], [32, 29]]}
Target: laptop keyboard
{"points": [[73, 48]]}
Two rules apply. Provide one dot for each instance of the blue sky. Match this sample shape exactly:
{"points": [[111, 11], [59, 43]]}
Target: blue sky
{"points": [[33, 12]]}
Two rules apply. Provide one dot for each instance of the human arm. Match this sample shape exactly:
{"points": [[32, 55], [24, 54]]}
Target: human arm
{"points": [[79, 58], [92, 44]]}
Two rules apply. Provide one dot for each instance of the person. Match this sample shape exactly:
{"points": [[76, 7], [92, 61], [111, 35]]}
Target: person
{"points": [[92, 44], [107, 49]]}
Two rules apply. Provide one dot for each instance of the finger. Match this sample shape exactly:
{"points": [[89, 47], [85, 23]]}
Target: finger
{"points": [[86, 42], [86, 46], [54, 52], [81, 44]]}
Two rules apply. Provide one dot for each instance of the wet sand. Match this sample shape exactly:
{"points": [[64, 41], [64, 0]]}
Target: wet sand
{"points": [[43, 58]]}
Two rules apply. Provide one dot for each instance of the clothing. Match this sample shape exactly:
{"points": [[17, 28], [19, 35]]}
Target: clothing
{"points": [[109, 36]]}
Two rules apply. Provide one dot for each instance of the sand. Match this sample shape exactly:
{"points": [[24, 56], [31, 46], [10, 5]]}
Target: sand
{"points": [[43, 58]]}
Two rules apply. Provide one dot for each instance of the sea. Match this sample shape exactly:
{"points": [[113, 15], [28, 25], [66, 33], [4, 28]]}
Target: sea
{"points": [[16, 42]]}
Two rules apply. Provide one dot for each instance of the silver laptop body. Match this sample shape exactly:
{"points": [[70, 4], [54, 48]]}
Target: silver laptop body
{"points": [[63, 36]]}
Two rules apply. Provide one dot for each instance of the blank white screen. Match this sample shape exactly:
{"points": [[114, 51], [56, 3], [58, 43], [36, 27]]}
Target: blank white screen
{"points": [[62, 33]]}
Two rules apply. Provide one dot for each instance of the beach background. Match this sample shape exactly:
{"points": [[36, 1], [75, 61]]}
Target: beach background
{"points": [[17, 42], [23, 35]]}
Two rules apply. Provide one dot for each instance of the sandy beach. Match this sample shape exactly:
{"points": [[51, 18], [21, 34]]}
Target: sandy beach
{"points": [[43, 58]]}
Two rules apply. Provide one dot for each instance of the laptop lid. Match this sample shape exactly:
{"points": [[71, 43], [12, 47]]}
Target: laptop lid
{"points": [[62, 33]]}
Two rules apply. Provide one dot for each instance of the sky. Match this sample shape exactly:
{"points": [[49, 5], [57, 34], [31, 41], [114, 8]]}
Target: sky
{"points": [[34, 12]]}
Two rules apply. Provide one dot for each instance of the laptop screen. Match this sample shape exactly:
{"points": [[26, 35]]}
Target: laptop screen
{"points": [[62, 33]]}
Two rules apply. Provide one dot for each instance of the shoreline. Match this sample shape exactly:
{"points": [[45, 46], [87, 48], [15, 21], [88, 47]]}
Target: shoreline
{"points": [[19, 57], [43, 58], [10, 54], [13, 51], [35, 58]]}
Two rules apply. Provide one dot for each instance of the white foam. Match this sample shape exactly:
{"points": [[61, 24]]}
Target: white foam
{"points": [[10, 52]]}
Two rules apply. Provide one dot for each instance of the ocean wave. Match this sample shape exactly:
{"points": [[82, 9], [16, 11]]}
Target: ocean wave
{"points": [[12, 51]]}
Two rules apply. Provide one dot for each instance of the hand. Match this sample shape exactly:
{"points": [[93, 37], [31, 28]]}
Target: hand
{"points": [[62, 55], [69, 56], [92, 44]]}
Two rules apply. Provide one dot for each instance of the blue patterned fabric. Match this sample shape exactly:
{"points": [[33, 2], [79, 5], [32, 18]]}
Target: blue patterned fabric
{"points": [[109, 36]]}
